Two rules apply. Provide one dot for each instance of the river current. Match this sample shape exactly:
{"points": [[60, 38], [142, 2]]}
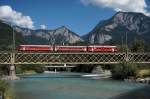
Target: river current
{"points": [[73, 86]]}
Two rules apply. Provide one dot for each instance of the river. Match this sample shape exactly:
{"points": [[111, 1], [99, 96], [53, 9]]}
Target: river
{"points": [[73, 86]]}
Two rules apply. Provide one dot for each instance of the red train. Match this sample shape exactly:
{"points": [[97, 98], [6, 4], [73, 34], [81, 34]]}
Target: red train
{"points": [[93, 48]]}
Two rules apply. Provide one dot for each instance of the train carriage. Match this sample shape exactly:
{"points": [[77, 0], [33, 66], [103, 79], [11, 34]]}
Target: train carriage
{"points": [[35, 48], [70, 48], [102, 48]]}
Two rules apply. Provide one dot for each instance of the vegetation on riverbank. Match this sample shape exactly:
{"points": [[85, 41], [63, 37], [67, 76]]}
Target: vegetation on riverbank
{"points": [[22, 69], [26, 69], [143, 73], [5, 90], [129, 70], [124, 70]]}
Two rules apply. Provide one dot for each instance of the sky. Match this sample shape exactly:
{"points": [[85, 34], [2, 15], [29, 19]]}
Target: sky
{"points": [[80, 16]]}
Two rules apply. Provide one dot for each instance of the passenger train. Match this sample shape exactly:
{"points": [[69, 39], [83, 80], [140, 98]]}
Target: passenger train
{"points": [[50, 48]]}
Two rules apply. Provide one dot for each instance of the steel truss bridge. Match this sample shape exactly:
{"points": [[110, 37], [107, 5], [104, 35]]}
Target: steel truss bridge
{"points": [[72, 58]]}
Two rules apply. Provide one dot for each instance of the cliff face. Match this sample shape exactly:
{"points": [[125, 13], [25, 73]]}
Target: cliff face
{"points": [[112, 30]]}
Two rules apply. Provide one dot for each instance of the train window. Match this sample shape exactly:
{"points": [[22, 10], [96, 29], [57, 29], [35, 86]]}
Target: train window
{"points": [[23, 48]]}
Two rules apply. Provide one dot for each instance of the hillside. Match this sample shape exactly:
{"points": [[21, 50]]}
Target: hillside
{"points": [[6, 36]]}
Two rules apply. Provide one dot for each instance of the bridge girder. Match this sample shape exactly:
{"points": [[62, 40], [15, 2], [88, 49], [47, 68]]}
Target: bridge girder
{"points": [[73, 58]]}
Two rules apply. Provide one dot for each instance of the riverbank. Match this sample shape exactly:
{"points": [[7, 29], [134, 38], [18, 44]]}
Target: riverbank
{"points": [[139, 80], [5, 77]]}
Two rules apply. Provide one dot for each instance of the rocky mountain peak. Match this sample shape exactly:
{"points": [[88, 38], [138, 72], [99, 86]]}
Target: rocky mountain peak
{"points": [[63, 28], [61, 35], [128, 17], [132, 21], [136, 24]]}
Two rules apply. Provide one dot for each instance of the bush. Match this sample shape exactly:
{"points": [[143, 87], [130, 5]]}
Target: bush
{"points": [[124, 70], [19, 69], [143, 73], [5, 90], [25, 68], [4, 70]]}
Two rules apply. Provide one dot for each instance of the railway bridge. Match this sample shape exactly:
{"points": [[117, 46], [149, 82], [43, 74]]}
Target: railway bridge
{"points": [[13, 58]]}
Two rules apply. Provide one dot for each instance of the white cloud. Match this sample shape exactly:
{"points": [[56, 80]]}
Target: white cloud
{"points": [[120, 5], [43, 26], [9, 15]]}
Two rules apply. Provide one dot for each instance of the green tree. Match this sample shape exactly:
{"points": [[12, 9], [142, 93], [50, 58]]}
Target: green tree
{"points": [[138, 45], [124, 70], [4, 70], [147, 47], [6, 37], [123, 48], [24, 68]]}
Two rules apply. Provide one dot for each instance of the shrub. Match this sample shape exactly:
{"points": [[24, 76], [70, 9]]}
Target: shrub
{"points": [[5, 90], [124, 70], [27, 68], [143, 73]]}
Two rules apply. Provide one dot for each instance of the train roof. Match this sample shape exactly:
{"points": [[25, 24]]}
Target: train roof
{"points": [[71, 46], [101, 46], [37, 45]]}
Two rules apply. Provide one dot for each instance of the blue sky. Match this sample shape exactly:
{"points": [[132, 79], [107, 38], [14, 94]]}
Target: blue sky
{"points": [[80, 17]]}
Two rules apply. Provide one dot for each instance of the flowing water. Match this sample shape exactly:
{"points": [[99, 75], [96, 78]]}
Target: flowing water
{"points": [[73, 86]]}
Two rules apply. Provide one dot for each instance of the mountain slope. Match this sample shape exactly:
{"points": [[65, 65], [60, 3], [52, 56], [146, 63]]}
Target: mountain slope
{"points": [[114, 30], [6, 37], [57, 36]]}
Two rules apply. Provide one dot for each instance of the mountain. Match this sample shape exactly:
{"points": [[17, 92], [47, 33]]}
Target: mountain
{"points": [[59, 36], [113, 30], [6, 36]]}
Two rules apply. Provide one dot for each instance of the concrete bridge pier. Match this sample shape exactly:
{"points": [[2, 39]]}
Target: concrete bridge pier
{"points": [[55, 70], [12, 73]]}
